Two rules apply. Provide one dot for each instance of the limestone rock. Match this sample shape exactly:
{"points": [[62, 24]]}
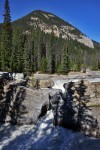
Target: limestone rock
{"points": [[22, 105], [73, 109], [48, 83], [40, 83], [32, 104]]}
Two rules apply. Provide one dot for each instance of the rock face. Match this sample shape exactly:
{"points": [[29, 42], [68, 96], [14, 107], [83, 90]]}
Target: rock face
{"points": [[46, 83], [74, 108], [22, 105], [95, 87], [64, 28], [34, 105], [86, 41], [41, 83]]}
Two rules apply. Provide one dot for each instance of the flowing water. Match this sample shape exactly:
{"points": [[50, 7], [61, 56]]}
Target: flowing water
{"points": [[58, 83]]}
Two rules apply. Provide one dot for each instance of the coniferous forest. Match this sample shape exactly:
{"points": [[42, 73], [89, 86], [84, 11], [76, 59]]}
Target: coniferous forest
{"points": [[29, 49]]}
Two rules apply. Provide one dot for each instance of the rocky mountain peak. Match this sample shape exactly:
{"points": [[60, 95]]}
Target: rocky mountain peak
{"points": [[48, 22]]}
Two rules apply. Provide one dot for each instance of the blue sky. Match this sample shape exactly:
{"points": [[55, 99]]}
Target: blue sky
{"points": [[83, 14]]}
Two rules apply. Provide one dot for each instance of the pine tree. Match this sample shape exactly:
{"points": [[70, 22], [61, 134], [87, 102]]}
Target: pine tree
{"points": [[31, 49], [65, 61], [85, 61], [6, 38], [79, 59], [52, 53], [17, 50], [0, 54], [42, 48], [36, 39], [27, 60], [43, 65]]}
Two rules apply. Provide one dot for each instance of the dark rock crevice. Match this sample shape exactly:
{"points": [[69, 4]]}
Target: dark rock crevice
{"points": [[71, 111]]}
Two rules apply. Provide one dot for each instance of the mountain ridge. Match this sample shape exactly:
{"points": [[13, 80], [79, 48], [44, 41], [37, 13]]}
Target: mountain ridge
{"points": [[47, 22], [33, 39]]}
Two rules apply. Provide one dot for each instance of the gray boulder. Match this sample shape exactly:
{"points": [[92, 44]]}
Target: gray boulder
{"points": [[71, 109], [47, 83], [22, 105]]}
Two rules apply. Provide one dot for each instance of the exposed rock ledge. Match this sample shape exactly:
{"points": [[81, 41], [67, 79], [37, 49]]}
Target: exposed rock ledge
{"points": [[22, 105]]}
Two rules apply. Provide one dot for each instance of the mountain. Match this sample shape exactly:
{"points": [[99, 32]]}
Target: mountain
{"points": [[48, 22], [34, 43]]}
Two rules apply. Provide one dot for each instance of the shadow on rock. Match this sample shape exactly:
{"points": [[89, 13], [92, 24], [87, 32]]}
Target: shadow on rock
{"points": [[70, 109], [11, 106]]}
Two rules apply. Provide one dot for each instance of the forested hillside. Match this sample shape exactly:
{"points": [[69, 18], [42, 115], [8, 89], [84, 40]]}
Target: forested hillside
{"points": [[43, 42]]}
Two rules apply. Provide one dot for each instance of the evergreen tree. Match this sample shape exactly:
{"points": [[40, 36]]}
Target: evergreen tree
{"points": [[27, 60], [52, 53], [85, 61], [42, 48], [36, 39], [43, 65], [17, 50], [0, 55], [65, 61], [6, 38], [79, 59], [48, 52], [31, 49]]}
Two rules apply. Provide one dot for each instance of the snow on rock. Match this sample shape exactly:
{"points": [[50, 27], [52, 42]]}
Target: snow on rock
{"points": [[44, 137]]}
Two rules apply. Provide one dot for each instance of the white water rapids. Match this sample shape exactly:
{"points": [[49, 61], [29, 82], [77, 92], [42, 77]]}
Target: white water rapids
{"points": [[58, 83]]}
